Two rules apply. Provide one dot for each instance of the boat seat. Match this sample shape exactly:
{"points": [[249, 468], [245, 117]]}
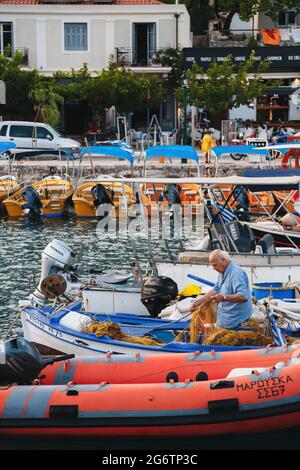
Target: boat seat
{"points": [[266, 244], [194, 257], [74, 320]]}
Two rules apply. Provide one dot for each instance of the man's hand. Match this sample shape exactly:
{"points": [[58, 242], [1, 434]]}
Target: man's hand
{"points": [[218, 298], [196, 304]]}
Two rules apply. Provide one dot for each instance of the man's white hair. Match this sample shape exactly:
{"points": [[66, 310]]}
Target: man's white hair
{"points": [[221, 255]]}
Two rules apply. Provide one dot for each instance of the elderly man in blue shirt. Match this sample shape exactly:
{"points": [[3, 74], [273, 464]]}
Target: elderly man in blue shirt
{"points": [[232, 292]]}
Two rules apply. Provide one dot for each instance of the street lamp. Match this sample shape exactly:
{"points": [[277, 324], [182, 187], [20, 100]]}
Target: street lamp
{"points": [[185, 89]]}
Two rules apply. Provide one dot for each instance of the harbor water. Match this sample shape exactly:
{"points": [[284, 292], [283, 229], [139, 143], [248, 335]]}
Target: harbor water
{"points": [[21, 245]]}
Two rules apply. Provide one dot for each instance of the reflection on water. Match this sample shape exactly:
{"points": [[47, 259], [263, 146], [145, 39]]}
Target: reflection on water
{"points": [[21, 245]]}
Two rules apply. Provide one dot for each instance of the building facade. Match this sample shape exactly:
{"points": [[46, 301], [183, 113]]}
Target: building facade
{"points": [[58, 35], [278, 42]]}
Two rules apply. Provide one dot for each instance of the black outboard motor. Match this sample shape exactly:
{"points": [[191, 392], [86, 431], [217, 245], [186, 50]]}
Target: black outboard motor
{"points": [[241, 196], [157, 293], [33, 202], [101, 195], [172, 194], [21, 363]]}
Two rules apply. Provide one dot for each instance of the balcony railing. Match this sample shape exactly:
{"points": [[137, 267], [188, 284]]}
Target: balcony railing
{"points": [[9, 51], [126, 56], [281, 36]]}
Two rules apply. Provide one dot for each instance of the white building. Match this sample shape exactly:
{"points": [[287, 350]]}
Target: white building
{"points": [[59, 35]]}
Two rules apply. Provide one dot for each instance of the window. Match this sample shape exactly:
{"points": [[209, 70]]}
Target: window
{"points": [[5, 36], [21, 131], [3, 130], [43, 133], [75, 36], [286, 18]]}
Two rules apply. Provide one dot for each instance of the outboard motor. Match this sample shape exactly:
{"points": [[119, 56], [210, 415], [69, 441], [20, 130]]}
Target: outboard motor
{"points": [[172, 194], [241, 196], [33, 203], [101, 195], [21, 363], [157, 292], [56, 257]]}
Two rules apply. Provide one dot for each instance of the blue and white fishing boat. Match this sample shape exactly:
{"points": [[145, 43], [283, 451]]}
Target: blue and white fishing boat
{"points": [[62, 330]]}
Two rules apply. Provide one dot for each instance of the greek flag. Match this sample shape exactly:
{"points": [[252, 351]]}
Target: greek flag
{"points": [[226, 213], [276, 331]]}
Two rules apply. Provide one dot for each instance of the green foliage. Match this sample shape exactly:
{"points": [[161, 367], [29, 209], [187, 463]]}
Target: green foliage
{"points": [[46, 102], [114, 86], [171, 57], [19, 84], [225, 86], [248, 8], [201, 11]]}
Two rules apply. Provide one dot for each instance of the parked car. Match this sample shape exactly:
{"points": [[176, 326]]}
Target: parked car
{"points": [[36, 136]]}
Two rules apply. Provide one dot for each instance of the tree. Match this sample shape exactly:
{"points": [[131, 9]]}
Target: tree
{"points": [[225, 86], [248, 8], [171, 57], [19, 84], [201, 11], [46, 102]]}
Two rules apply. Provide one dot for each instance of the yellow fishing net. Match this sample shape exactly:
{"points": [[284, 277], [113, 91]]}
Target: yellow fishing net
{"points": [[114, 331], [203, 322]]}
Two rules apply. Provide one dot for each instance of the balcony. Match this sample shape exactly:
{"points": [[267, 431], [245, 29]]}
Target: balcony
{"points": [[128, 57], [283, 36], [9, 51]]}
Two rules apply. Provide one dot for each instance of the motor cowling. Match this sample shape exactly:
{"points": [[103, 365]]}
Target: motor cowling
{"points": [[157, 292], [56, 257], [20, 362]]}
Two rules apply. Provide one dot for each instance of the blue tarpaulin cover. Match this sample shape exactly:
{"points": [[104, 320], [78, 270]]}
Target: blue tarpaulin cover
{"points": [[6, 146], [173, 151], [110, 151], [239, 150]]}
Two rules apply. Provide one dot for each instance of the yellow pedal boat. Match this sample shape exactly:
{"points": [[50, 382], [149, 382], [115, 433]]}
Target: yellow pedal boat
{"points": [[87, 201], [8, 185], [53, 192]]}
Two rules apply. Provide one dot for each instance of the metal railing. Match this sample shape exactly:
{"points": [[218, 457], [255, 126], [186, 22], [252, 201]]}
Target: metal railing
{"points": [[9, 52], [131, 57], [280, 36]]}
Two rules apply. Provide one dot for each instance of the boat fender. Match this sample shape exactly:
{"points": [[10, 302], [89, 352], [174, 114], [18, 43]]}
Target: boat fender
{"points": [[172, 377], [137, 356]]}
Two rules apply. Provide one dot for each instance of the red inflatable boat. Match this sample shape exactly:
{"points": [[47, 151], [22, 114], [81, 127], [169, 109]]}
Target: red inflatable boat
{"points": [[196, 366], [264, 400]]}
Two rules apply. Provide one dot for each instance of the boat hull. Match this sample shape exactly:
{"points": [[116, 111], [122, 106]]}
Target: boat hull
{"points": [[274, 268], [260, 401]]}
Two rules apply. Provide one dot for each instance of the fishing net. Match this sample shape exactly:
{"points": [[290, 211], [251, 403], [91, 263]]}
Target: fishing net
{"points": [[114, 331], [202, 321], [222, 336], [203, 324]]}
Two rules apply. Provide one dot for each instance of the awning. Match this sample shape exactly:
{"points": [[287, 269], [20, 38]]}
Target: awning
{"points": [[172, 151], [110, 151], [238, 150]]}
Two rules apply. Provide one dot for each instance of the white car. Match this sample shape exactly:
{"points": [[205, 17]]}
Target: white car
{"points": [[36, 136]]}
